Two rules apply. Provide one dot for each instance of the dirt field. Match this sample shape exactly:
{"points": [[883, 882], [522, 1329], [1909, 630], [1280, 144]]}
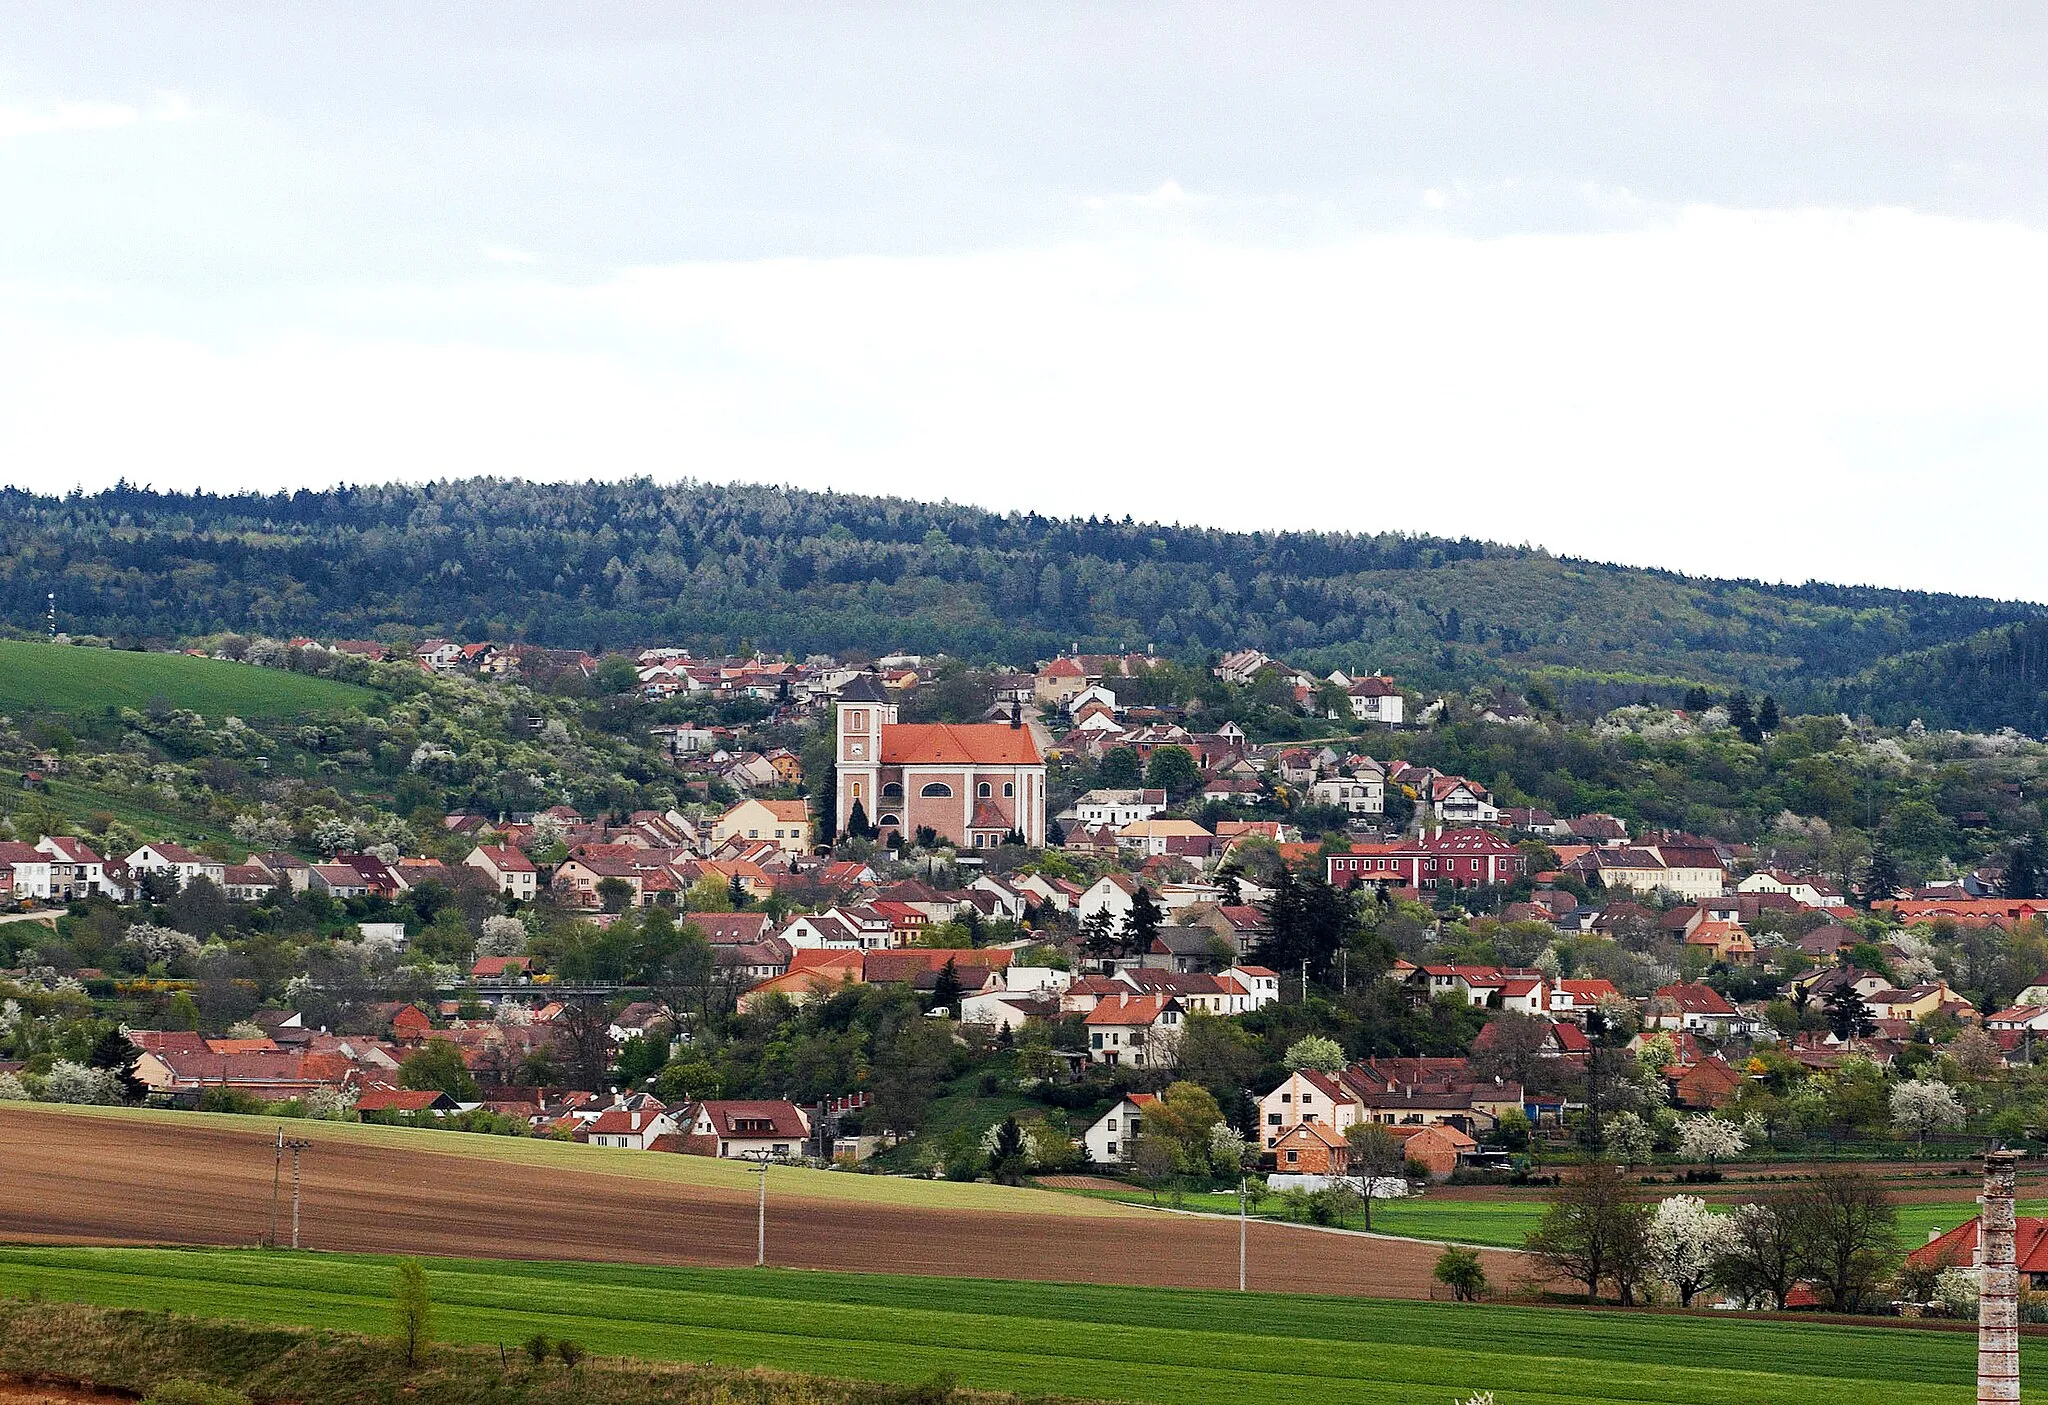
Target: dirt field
{"points": [[102, 1181]]}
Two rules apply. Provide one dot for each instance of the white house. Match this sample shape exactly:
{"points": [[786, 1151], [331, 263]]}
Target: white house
{"points": [[1135, 1031], [1110, 893], [89, 872], [1109, 1140], [631, 1128], [181, 863], [1360, 797], [732, 1130], [1117, 808], [1376, 699], [1307, 1096]]}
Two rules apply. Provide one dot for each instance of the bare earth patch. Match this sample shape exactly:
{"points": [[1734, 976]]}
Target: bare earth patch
{"points": [[76, 1180]]}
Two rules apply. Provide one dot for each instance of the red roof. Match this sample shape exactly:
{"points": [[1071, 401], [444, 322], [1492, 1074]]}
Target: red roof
{"points": [[401, 1100], [951, 744], [1128, 1010], [505, 858], [1958, 1247]]}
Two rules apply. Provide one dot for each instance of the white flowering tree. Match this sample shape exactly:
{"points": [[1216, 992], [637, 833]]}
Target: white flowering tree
{"points": [[1708, 1138], [502, 936], [1924, 1106], [1227, 1148], [1315, 1053], [1629, 1139], [12, 1089], [1685, 1240], [1959, 1290], [69, 1082], [160, 943]]}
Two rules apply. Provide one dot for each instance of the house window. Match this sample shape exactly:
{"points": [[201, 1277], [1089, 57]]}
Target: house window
{"points": [[1293, 1157], [937, 790], [1273, 1119], [893, 790], [1112, 1124], [984, 790], [1112, 1148], [1009, 790], [890, 819]]}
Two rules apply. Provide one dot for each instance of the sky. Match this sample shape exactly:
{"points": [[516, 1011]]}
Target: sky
{"points": [[1738, 290]]}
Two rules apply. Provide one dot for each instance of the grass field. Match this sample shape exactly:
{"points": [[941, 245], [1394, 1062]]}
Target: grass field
{"points": [[1503, 1224], [1115, 1343], [702, 1171], [62, 678]]}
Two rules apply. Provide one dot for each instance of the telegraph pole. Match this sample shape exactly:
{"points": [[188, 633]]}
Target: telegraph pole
{"points": [[1242, 1182], [294, 1146], [760, 1160], [276, 1178]]}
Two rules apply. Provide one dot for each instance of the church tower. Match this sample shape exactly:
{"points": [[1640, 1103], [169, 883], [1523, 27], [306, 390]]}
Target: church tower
{"points": [[864, 709]]}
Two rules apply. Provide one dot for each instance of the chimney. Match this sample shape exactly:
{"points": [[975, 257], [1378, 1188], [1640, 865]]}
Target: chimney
{"points": [[1998, 1309]]}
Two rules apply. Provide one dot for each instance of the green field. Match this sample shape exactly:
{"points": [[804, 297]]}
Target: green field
{"points": [[1113, 1343], [62, 678], [1503, 1224]]}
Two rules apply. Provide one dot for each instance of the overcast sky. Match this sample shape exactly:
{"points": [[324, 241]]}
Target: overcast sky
{"points": [[1739, 290]]}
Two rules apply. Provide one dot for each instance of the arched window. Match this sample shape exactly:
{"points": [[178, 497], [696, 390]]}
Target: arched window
{"points": [[1009, 789], [937, 790], [984, 790], [892, 791], [889, 822]]}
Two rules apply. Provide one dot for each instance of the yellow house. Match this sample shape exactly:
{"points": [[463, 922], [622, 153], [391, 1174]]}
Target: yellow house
{"points": [[783, 822]]}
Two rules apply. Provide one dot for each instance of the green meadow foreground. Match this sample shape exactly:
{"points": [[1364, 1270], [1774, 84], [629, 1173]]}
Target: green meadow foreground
{"points": [[62, 678], [1108, 1343]]}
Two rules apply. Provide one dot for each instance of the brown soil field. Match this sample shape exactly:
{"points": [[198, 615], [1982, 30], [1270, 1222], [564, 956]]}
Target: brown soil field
{"points": [[76, 1180]]}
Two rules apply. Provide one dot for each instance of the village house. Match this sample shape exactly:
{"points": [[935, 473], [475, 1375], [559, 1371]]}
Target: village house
{"points": [[1108, 1139], [1307, 1096], [511, 871], [1452, 858], [1133, 1031], [1312, 1149], [180, 864], [786, 822], [1376, 699], [730, 1130], [1117, 808], [634, 1128]]}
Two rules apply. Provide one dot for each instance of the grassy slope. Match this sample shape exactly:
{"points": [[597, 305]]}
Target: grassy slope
{"points": [[1135, 1344], [680, 1170], [57, 678]]}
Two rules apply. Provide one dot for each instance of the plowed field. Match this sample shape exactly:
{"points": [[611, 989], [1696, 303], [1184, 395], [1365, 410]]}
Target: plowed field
{"points": [[164, 1180]]}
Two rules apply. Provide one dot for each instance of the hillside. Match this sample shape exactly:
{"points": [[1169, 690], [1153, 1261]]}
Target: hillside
{"points": [[48, 678], [719, 566]]}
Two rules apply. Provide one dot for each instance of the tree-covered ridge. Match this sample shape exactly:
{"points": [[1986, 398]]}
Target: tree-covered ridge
{"points": [[1998, 678], [609, 564]]}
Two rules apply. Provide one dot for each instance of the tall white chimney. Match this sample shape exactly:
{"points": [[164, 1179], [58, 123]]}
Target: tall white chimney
{"points": [[1998, 1309]]}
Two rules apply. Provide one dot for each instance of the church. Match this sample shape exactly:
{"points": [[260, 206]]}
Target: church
{"points": [[973, 785]]}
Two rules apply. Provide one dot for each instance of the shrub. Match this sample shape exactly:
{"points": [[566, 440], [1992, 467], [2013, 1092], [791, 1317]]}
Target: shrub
{"points": [[570, 1352], [1458, 1269], [538, 1348]]}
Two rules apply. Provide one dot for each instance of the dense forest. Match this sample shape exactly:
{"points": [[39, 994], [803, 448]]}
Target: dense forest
{"points": [[1995, 679], [726, 566]]}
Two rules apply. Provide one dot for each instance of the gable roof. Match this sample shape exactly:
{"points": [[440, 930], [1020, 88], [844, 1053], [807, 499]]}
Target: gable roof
{"points": [[955, 744]]}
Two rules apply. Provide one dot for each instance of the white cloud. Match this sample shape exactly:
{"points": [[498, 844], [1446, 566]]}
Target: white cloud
{"points": [[1841, 395], [502, 254], [88, 115]]}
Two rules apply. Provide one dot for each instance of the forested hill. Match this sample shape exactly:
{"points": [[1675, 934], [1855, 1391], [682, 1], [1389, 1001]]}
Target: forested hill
{"points": [[608, 564]]}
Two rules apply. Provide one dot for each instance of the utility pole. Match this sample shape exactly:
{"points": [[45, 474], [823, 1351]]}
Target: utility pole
{"points": [[760, 1160], [1242, 1183], [276, 1179], [294, 1146], [53, 617]]}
